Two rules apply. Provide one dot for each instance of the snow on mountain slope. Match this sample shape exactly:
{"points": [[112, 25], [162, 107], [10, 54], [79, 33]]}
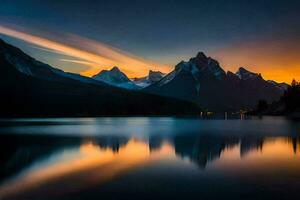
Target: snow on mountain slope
{"points": [[116, 78], [153, 77]]}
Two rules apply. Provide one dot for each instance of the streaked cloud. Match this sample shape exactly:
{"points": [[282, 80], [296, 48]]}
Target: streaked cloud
{"points": [[93, 68], [94, 54]]}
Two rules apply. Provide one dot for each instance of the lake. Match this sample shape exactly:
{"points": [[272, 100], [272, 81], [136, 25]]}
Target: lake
{"points": [[149, 158]]}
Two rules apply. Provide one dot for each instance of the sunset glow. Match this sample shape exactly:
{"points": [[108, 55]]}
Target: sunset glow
{"points": [[275, 60], [270, 61], [96, 56], [149, 99]]}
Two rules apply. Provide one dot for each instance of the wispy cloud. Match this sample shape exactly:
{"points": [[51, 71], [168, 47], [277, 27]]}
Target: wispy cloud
{"points": [[87, 52], [93, 68], [47, 50]]}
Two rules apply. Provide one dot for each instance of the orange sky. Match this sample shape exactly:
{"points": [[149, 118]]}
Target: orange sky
{"points": [[275, 60]]}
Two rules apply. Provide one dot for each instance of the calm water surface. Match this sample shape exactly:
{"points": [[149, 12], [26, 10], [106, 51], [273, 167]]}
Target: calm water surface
{"points": [[149, 158]]}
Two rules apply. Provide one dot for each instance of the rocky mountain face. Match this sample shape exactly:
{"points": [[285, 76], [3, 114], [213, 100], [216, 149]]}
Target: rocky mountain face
{"points": [[116, 78], [203, 81], [153, 77]]}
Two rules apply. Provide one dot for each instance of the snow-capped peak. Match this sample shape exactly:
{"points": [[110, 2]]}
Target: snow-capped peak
{"points": [[111, 76], [115, 77], [244, 74], [208, 65]]}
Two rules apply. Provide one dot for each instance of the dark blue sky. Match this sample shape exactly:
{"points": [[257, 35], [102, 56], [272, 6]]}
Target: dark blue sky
{"points": [[164, 31]]}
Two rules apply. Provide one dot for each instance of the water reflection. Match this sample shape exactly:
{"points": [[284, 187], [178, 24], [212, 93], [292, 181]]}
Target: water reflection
{"points": [[140, 158], [72, 165]]}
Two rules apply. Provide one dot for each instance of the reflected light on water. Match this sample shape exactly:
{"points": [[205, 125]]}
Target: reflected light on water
{"points": [[81, 168]]}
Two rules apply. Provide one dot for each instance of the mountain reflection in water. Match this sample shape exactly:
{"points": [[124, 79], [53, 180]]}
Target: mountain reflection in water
{"points": [[161, 166]]}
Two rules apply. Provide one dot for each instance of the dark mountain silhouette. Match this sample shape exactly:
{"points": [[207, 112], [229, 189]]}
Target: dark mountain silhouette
{"points": [[201, 80], [31, 88]]}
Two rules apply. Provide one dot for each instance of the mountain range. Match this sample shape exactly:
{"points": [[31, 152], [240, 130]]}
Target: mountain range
{"points": [[117, 78], [202, 80], [30, 87]]}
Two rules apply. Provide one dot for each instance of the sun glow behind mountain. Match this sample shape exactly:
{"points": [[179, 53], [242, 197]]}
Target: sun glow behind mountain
{"points": [[275, 60]]}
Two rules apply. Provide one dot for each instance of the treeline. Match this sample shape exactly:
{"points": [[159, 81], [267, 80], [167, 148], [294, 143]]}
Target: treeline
{"points": [[289, 103], [291, 97]]}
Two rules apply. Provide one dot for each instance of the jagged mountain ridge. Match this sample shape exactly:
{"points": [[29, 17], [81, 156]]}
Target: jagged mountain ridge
{"points": [[203, 81]]}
